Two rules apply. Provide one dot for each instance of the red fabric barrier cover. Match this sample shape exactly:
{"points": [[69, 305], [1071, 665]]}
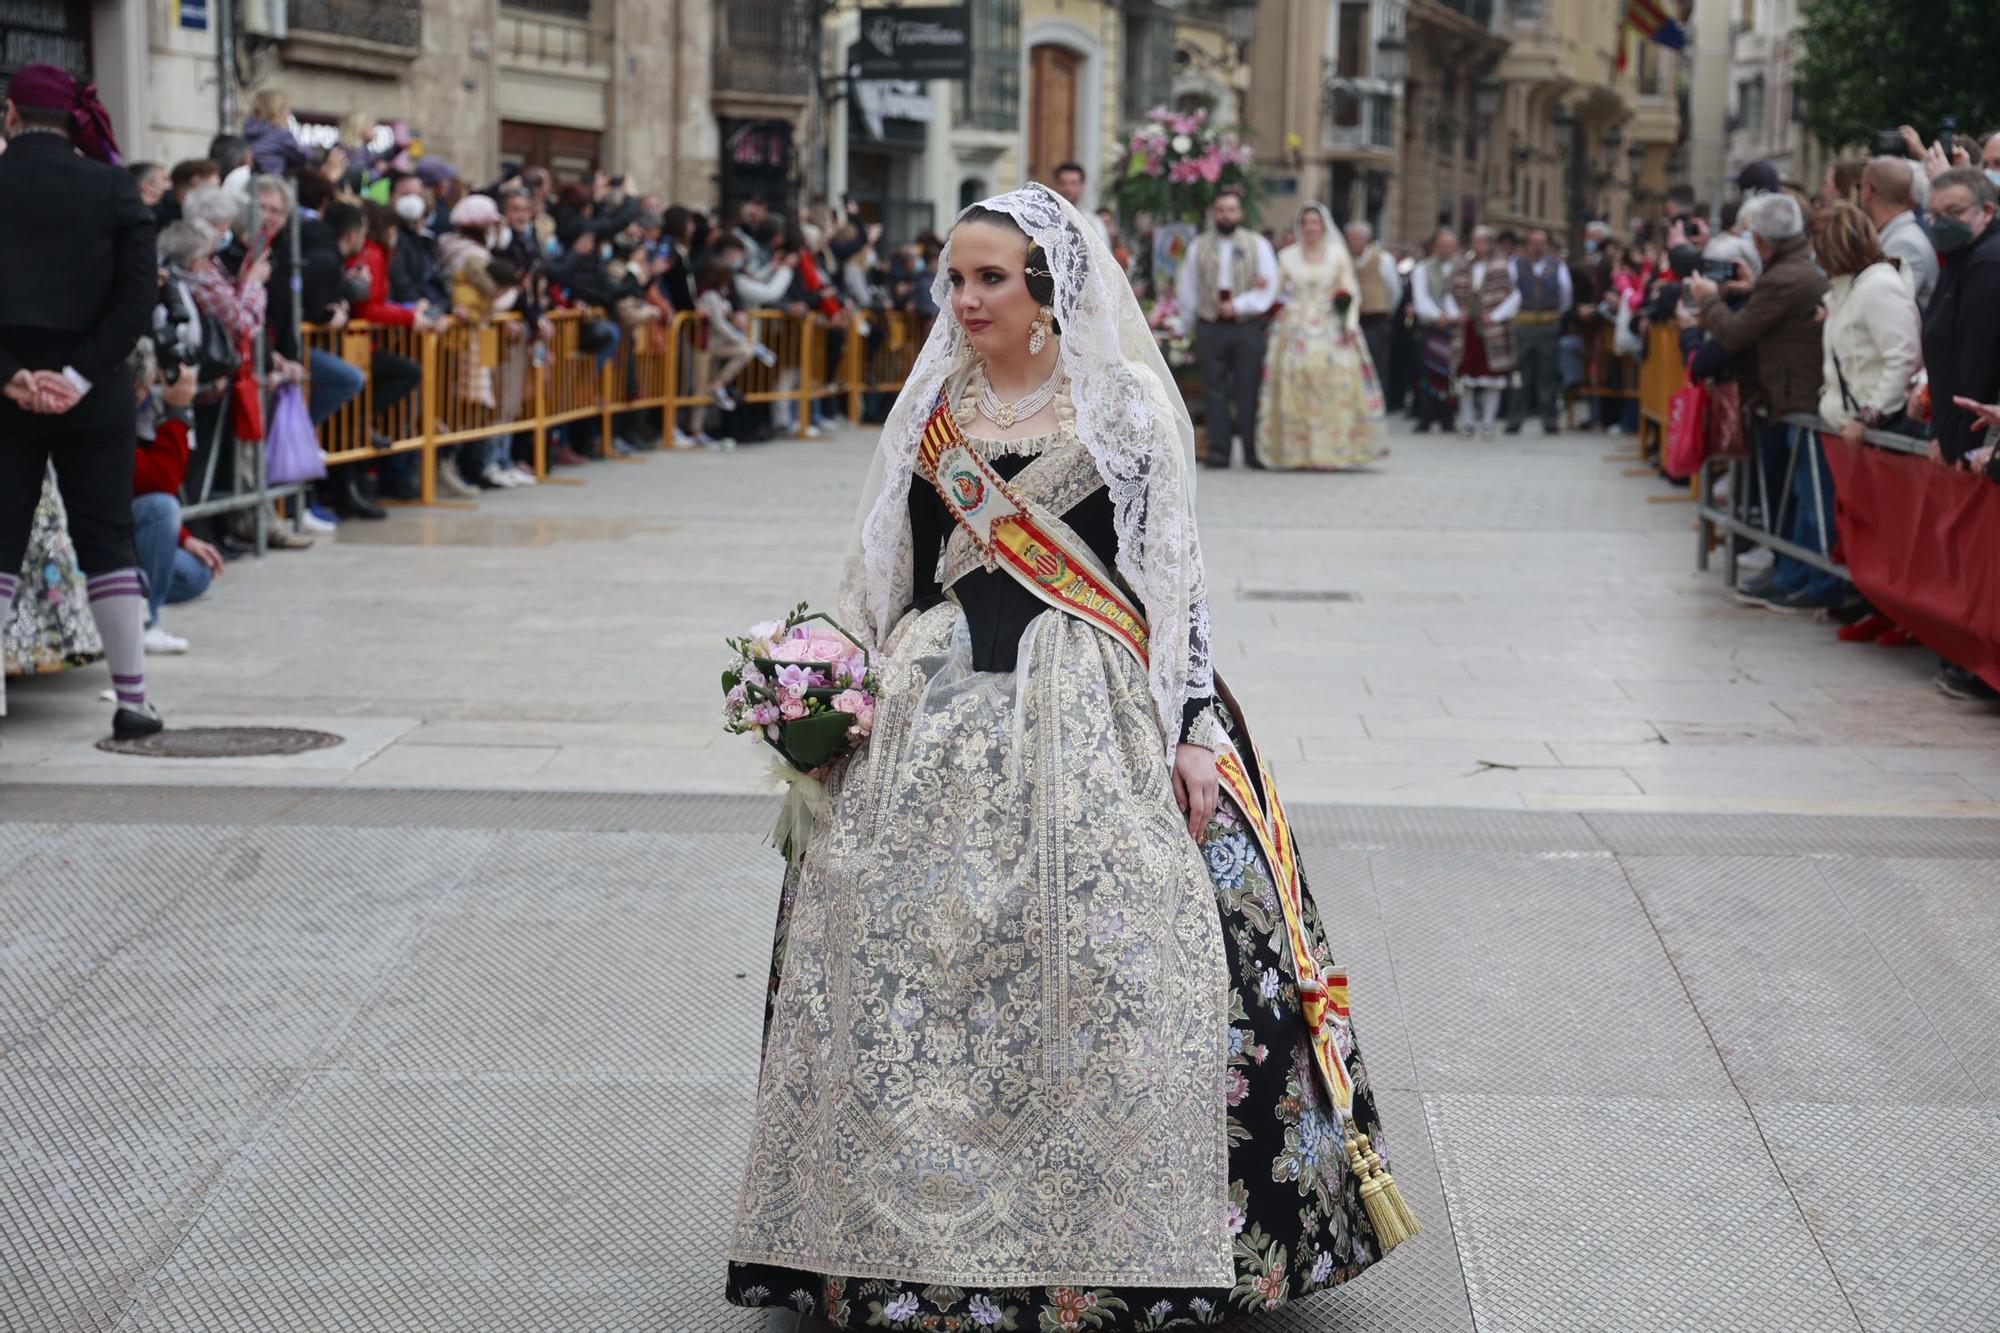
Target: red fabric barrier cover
{"points": [[1923, 544]]}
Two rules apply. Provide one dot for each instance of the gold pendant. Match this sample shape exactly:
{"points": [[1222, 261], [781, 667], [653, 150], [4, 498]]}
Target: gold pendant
{"points": [[1006, 417]]}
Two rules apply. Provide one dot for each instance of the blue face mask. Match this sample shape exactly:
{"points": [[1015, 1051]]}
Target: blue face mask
{"points": [[1993, 175]]}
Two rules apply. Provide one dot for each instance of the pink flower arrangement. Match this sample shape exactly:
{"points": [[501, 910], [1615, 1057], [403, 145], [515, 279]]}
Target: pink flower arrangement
{"points": [[803, 685], [1176, 162]]}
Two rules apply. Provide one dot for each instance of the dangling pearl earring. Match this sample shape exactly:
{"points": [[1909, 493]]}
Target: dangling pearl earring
{"points": [[1038, 332]]}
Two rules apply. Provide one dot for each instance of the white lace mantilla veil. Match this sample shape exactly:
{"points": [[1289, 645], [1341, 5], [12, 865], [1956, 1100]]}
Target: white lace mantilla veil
{"points": [[1345, 274], [1129, 416]]}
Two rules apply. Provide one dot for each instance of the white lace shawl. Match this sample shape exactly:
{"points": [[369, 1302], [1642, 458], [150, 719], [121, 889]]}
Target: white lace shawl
{"points": [[1129, 416]]}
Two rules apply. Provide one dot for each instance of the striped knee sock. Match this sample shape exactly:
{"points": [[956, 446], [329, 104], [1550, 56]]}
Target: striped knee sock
{"points": [[118, 604], [9, 585]]}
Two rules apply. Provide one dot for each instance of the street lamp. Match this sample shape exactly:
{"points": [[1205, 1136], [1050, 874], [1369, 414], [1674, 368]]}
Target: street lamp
{"points": [[1636, 155], [1486, 98], [1239, 21], [1392, 58]]}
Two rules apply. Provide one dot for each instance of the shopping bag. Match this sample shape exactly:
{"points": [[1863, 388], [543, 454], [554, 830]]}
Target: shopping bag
{"points": [[292, 452], [246, 397], [1687, 427], [1727, 436]]}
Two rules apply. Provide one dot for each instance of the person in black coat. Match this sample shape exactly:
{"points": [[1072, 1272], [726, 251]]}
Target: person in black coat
{"points": [[78, 281], [1962, 323]]}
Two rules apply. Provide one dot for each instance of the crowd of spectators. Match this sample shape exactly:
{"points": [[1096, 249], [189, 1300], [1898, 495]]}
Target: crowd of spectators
{"points": [[396, 238]]}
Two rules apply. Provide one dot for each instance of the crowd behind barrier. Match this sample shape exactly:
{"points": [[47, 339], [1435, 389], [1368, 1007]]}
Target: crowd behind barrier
{"points": [[555, 382]]}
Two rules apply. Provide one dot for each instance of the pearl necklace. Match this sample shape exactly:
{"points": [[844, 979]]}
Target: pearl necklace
{"points": [[1004, 415]]}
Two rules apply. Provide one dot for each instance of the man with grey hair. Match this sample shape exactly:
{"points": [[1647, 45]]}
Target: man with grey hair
{"points": [[1381, 291], [1780, 320], [1887, 184]]}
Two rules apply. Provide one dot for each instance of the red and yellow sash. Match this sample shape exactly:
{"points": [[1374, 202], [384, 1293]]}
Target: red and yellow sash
{"points": [[1034, 549], [1320, 992], [1041, 553]]}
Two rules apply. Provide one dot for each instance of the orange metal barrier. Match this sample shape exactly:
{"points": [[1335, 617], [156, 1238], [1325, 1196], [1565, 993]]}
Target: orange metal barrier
{"points": [[479, 381], [1661, 376]]}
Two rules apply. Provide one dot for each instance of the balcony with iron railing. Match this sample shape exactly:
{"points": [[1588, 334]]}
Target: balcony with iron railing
{"points": [[360, 36], [389, 22], [1360, 114], [765, 48]]}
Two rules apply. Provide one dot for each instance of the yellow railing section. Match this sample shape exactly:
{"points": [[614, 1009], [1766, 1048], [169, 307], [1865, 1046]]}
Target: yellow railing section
{"points": [[474, 382]]}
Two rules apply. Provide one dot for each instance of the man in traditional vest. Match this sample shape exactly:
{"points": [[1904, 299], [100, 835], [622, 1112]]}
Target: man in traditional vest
{"points": [[1228, 280], [1381, 291], [1546, 296], [1482, 304], [1430, 294]]}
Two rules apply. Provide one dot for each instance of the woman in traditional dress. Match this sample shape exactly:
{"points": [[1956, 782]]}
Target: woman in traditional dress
{"points": [[1320, 405], [1481, 304], [1037, 1050]]}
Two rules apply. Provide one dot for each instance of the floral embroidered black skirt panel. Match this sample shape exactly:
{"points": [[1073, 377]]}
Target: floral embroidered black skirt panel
{"points": [[1295, 1210]]}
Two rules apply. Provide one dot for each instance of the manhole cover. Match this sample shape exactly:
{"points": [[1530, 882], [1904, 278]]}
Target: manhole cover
{"points": [[223, 742], [1299, 595]]}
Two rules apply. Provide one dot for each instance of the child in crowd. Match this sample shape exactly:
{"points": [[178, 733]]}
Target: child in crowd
{"points": [[481, 287], [268, 130], [729, 347]]}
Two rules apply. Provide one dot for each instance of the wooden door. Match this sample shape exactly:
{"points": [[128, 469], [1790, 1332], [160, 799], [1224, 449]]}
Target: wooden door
{"points": [[1052, 92]]}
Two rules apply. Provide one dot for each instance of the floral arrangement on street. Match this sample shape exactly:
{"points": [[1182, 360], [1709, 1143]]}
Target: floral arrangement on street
{"points": [[1176, 163], [807, 690]]}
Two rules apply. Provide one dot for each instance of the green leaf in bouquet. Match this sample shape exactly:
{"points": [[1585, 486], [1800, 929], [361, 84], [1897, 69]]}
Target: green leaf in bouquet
{"points": [[816, 740]]}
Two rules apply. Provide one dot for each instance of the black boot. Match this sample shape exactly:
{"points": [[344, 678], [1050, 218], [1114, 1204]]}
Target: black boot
{"points": [[349, 501]]}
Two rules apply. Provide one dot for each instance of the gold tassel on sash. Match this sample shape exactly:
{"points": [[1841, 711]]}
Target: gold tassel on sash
{"points": [[1388, 1214]]}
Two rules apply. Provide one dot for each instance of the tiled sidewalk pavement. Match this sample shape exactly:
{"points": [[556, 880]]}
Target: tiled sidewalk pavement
{"points": [[274, 1059]]}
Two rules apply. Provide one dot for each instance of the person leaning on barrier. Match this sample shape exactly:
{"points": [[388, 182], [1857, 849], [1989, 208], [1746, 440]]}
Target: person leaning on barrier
{"points": [[1781, 321], [1873, 337], [1962, 324]]}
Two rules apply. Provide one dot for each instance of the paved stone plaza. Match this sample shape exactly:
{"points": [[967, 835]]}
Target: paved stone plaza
{"points": [[1672, 925]]}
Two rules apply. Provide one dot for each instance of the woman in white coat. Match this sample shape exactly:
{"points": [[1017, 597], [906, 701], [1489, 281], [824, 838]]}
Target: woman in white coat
{"points": [[1872, 349], [1873, 339]]}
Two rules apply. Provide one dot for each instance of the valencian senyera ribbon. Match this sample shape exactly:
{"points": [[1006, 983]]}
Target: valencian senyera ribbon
{"points": [[1046, 557]]}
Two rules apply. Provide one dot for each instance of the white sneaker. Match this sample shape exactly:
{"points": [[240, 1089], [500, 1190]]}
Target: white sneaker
{"points": [[722, 399], [312, 522], [159, 643], [524, 476], [498, 477], [683, 440], [451, 483]]}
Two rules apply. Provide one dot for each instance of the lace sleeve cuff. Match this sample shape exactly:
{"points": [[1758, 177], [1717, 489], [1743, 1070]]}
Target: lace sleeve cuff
{"points": [[1206, 728]]}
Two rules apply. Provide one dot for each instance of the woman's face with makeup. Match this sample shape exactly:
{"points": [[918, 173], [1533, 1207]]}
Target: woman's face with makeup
{"points": [[989, 291]]}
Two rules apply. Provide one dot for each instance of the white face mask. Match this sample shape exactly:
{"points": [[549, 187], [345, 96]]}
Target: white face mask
{"points": [[410, 207]]}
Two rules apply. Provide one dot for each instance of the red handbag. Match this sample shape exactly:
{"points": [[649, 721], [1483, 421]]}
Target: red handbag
{"points": [[246, 397], [1727, 437], [1687, 427]]}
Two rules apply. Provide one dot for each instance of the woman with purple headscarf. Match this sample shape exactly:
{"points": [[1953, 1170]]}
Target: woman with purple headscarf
{"points": [[77, 287]]}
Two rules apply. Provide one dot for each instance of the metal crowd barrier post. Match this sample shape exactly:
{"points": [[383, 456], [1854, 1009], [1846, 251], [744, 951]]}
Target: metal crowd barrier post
{"points": [[1804, 446]]}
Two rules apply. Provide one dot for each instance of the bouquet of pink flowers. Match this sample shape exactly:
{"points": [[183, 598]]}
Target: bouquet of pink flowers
{"points": [[1176, 163], [805, 689]]}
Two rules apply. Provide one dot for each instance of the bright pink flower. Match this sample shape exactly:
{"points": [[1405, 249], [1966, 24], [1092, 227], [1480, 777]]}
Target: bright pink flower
{"points": [[1210, 167], [1185, 172]]}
